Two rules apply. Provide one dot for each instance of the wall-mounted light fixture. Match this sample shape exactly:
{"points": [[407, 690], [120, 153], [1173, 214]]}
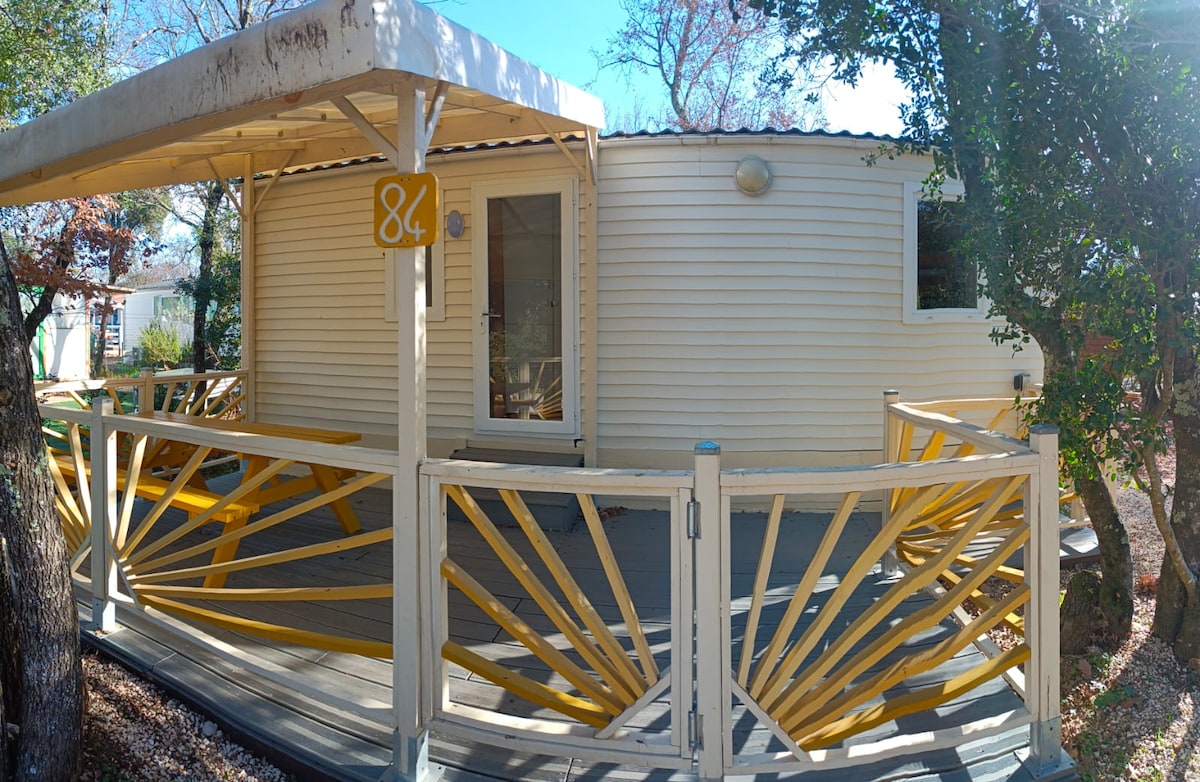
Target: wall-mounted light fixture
{"points": [[752, 176], [454, 224]]}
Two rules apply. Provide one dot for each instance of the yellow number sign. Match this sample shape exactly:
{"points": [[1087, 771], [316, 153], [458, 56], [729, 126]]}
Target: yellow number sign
{"points": [[406, 210]]}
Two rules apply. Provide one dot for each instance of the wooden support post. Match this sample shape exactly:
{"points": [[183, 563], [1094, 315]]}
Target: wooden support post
{"points": [[1042, 695], [708, 525], [145, 400], [889, 563], [103, 458], [249, 306], [410, 745]]}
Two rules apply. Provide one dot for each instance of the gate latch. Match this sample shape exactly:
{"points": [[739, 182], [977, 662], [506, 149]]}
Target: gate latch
{"points": [[693, 519]]}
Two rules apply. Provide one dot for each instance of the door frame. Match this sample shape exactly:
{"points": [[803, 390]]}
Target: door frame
{"points": [[567, 188]]}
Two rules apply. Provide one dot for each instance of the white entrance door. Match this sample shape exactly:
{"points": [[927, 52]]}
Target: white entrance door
{"points": [[524, 247]]}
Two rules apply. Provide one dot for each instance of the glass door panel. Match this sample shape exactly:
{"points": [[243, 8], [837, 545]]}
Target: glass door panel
{"points": [[524, 291]]}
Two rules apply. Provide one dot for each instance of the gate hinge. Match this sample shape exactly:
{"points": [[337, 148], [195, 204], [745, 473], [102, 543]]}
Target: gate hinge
{"points": [[695, 725], [693, 519]]}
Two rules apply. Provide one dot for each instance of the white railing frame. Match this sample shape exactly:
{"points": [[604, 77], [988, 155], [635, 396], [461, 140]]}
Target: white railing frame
{"points": [[550, 736], [143, 384], [1040, 686]]}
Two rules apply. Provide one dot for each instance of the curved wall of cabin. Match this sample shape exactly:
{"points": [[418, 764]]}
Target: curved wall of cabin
{"points": [[771, 324]]}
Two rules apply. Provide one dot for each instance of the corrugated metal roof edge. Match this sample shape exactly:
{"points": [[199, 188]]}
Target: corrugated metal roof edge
{"points": [[641, 134]]}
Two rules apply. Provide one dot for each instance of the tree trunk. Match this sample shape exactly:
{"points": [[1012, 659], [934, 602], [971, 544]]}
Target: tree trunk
{"points": [[42, 618], [1176, 617], [207, 241], [1116, 563]]}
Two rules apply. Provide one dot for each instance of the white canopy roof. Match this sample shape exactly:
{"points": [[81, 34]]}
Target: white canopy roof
{"points": [[295, 91]]}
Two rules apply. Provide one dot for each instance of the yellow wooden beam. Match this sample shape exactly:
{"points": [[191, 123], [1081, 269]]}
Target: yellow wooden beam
{"points": [[913, 702], [292, 635], [620, 591], [145, 573], [530, 638], [536, 692], [824, 712], [540, 594], [765, 556], [631, 678], [270, 594]]}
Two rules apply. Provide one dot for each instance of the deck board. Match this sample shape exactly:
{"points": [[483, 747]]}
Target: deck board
{"points": [[640, 541]]}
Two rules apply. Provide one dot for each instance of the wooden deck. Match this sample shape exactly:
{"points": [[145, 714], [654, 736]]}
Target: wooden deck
{"points": [[324, 714]]}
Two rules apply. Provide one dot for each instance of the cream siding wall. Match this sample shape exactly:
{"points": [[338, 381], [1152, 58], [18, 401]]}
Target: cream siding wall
{"points": [[325, 354], [771, 325]]}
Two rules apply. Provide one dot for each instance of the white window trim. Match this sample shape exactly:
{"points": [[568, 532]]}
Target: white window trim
{"points": [[567, 187], [435, 271], [913, 193]]}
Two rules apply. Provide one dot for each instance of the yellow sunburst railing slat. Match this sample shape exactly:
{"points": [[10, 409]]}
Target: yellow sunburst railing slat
{"points": [[803, 592], [531, 639], [313, 550], [866, 560], [829, 712], [913, 702], [617, 584], [540, 594], [765, 556], [896, 635], [334, 643], [524, 687], [631, 678], [914, 580]]}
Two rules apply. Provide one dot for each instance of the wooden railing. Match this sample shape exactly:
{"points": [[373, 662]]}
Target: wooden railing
{"points": [[221, 394], [144, 542], [832, 678], [580, 645]]}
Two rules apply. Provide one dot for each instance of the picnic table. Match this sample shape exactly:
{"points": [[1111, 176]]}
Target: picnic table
{"points": [[320, 476]]}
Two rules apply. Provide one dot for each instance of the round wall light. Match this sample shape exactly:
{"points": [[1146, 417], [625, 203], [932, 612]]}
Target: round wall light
{"points": [[454, 224], [752, 176]]}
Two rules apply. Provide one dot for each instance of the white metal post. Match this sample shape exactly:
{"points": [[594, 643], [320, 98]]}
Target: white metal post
{"points": [[712, 614], [103, 459], [409, 628], [890, 563], [1041, 627]]}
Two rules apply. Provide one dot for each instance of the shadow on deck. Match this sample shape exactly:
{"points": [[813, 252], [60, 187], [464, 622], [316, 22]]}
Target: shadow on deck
{"points": [[326, 714]]}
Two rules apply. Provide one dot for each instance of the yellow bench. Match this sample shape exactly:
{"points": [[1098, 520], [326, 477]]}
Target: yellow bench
{"points": [[189, 499]]}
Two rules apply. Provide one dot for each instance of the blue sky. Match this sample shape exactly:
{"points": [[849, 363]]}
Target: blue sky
{"points": [[559, 38]]}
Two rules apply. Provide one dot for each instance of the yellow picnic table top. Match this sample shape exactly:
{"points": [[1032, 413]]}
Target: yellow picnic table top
{"points": [[322, 476], [309, 433]]}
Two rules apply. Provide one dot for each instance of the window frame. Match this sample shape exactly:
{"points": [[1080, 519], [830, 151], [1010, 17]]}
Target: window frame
{"points": [[915, 192]]}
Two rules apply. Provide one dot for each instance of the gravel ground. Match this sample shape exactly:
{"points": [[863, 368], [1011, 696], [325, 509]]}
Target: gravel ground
{"points": [[134, 732], [1127, 715], [1132, 713]]}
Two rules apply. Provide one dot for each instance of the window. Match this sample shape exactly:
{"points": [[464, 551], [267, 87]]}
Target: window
{"points": [[435, 297], [939, 285]]}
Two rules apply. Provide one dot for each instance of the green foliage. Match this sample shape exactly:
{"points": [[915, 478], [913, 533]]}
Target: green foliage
{"points": [[50, 53], [1073, 129], [223, 326], [160, 347]]}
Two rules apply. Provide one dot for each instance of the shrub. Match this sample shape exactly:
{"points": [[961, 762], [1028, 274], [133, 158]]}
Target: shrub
{"points": [[160, 347]]}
